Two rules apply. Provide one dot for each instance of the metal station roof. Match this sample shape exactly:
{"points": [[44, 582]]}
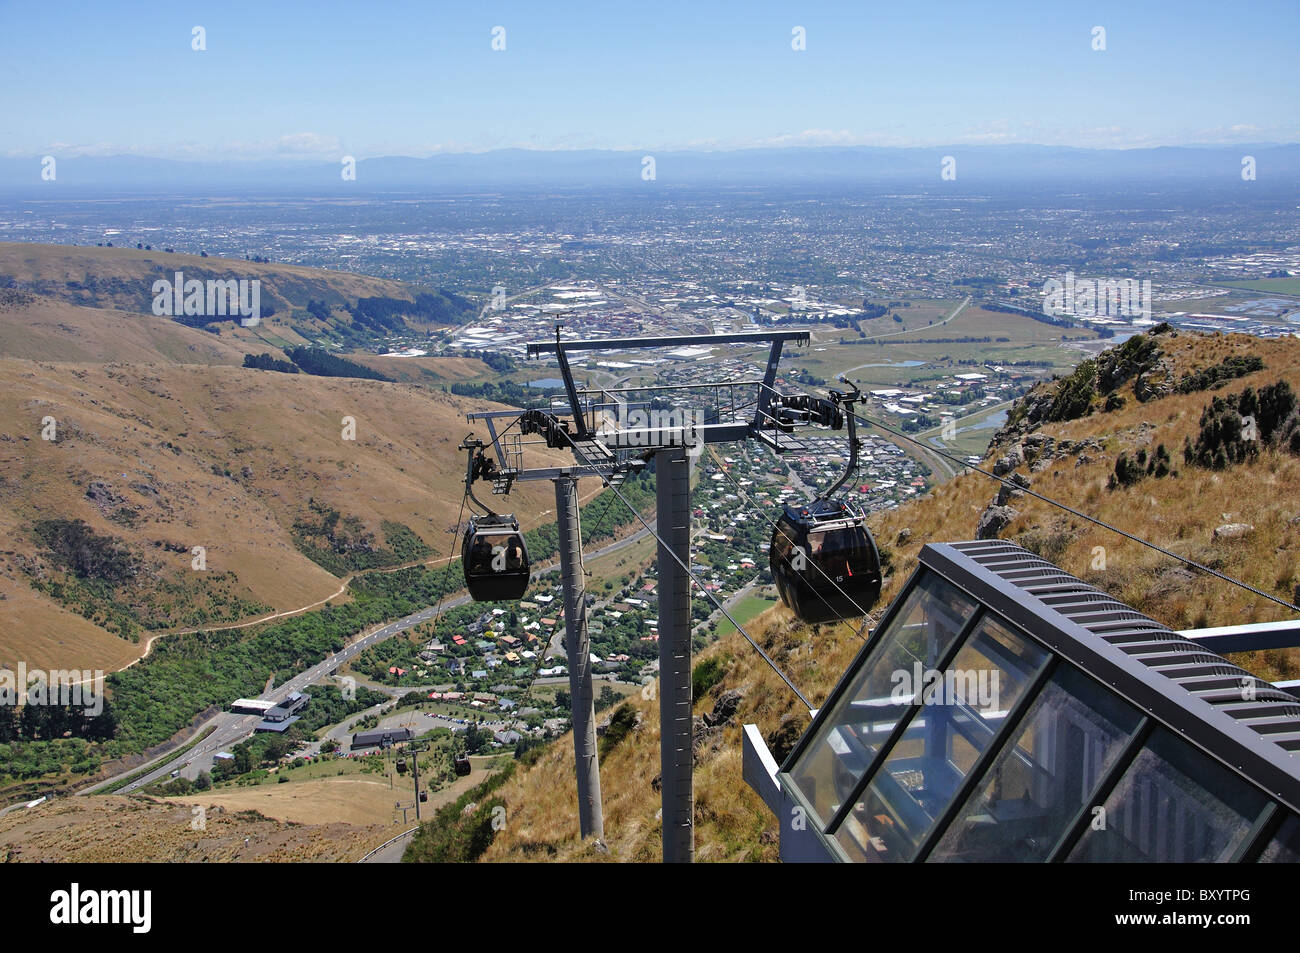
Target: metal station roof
{"points": [[1241, 720], [1094, 706]]}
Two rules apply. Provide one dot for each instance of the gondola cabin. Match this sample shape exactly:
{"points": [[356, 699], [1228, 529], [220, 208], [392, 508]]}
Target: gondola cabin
{"points": [[462, 764], [824, 561], [495, 559]]}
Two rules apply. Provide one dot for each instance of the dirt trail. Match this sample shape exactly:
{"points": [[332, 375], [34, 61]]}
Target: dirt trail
{"points": [[343, 587]]}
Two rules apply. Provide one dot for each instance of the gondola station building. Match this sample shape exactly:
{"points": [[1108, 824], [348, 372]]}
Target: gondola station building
{"points": [[1004, 710]]}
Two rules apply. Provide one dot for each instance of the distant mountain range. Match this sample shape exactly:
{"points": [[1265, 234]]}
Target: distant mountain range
{"points": [[1276, 166]]}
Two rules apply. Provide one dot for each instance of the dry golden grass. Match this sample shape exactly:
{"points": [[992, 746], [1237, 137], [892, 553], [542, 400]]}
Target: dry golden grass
{"points": [[345, 800], [356, 799], [115, 422], [111, 829], [1178, 513], [123, 278], [52, 330]]}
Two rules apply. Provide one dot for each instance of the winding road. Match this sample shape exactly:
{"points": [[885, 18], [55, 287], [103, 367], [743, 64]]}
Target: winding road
{"points": [[231, 728]]}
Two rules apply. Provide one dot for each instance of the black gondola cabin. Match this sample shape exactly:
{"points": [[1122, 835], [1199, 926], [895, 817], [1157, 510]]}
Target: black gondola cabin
{"points": [[495, 559], [824, 561]]}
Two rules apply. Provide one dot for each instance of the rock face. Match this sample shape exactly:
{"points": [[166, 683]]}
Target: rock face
{"points": [[1008, 492], [724, 709], [1156, 382], [1008, 462], [1036, 406], [1233, 530], [782, 739], [706, 731], [994, 520]]}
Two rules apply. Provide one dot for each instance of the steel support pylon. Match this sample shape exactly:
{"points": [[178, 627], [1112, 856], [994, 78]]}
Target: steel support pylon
{"points": [[577, 646], [673, 498]]}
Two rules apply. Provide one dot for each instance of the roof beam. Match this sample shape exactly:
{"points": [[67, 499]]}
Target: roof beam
{"points": [[682, 340], [1253, 637]]}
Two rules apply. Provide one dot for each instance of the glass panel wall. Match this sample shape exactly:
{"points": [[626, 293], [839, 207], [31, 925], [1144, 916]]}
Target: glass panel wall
{"points": [[960, 714], [921, 633], [1173, 805], [1284, 848], [1066, 742]]}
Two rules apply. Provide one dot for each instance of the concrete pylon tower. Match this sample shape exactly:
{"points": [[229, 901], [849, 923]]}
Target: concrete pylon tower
{"points": [[673, 498], [577, 646]]}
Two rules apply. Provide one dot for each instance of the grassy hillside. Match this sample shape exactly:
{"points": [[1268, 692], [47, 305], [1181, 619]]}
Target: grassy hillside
{"points": [[247, 464], [108, 829], [1179, 510], [130, 438], [121, 280], [46, 329]]}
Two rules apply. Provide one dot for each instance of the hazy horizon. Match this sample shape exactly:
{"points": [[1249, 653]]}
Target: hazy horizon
{"points": [[250, 80]]}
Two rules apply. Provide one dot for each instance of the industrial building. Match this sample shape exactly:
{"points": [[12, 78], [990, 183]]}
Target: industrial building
{"points": [[280, 716], [380, 738]]}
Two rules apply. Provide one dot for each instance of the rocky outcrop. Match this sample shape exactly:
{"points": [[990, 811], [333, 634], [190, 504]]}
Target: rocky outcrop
{"points": [[994, 520], [1156, 381], [1140, 359], [1009, 461], [724, 709], [706, 730], [103, 495], [782, 739], [1008, 491]]}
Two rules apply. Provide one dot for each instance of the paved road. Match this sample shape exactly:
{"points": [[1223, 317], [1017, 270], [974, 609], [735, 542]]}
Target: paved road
{"points": [[390, 853], [233, 728]]}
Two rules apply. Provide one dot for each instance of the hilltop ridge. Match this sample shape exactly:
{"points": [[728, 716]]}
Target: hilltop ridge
{"points": [[83, 298], [129, 439]]}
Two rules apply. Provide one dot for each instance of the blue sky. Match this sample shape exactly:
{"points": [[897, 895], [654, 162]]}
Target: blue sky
{"points": [[369, 79]]}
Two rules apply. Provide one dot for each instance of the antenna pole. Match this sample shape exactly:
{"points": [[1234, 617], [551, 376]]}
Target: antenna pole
{"points": [[577, 646], [676, 755]]}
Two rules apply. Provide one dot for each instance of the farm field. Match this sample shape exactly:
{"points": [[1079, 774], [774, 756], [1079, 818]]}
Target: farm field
{"points": [[355, 797], [904, 360], [746, 609], [1284, 286]]}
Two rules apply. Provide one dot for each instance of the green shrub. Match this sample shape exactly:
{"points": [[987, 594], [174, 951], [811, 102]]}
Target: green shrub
{"points": [[621, 724], [453, 836], [1218, 375], [1074, 396], [707, 674], [1227, 437]]}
